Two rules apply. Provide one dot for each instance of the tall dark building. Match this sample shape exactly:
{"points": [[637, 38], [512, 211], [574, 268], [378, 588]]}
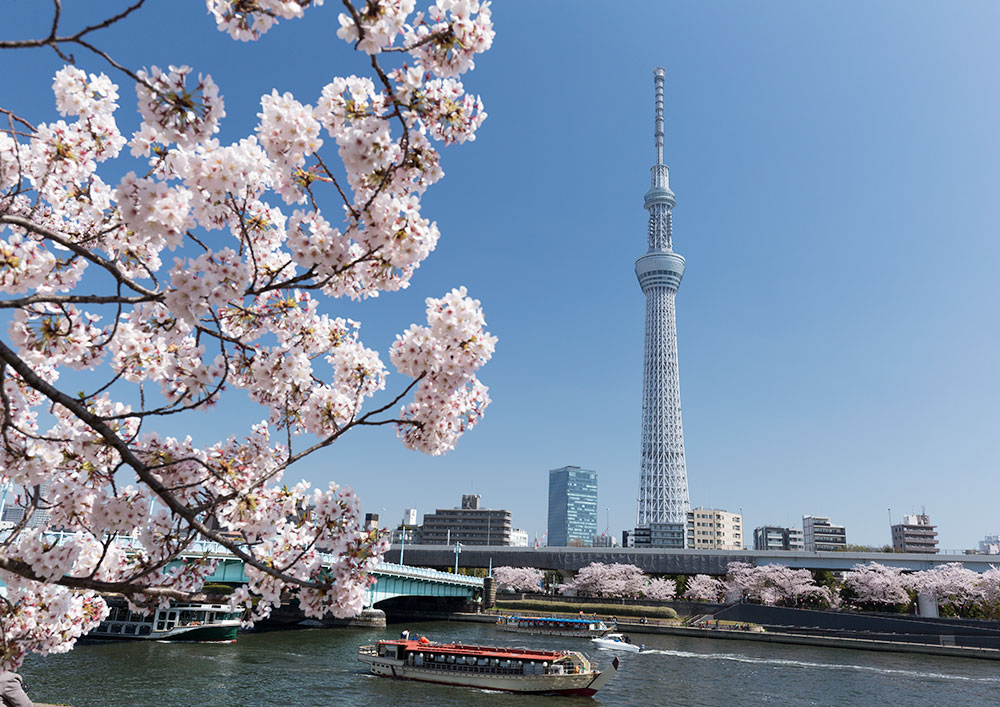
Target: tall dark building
{"points": [[572, 506]]}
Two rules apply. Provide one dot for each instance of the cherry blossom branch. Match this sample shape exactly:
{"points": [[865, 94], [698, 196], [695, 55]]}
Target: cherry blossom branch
{"points": [[82, 252], [137, 465]]}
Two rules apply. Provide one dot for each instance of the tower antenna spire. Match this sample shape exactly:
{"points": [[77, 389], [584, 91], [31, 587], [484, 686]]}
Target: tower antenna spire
{"points": [[659, 73], [664, 501]]}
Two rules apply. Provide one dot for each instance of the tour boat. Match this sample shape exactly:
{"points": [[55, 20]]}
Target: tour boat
{"points": [[177, 622], [553, 626], [616, 642], [521, 670]]}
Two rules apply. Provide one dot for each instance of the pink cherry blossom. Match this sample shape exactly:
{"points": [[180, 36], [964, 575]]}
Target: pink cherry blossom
{"points": [[210, 271], [518, 579]]}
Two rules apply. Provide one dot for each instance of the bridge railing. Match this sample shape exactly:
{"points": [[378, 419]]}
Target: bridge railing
{"points": [[428, 574]]}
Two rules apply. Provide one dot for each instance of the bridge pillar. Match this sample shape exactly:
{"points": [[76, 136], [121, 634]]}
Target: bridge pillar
{"points": [[927, 605], [489, 592]]}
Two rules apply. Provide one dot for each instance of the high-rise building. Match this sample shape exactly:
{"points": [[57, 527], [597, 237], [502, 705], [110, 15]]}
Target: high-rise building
{"points": [[572, 506], [914, 534], [714, 529], [819, 534], [663, 486], [469, 525], [775, 537]]}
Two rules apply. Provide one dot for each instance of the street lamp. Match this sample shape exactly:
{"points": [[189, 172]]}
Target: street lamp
{"points": [[458, 549]]}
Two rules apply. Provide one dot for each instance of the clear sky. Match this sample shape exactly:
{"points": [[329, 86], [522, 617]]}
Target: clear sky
{"points": [[835, 166]]}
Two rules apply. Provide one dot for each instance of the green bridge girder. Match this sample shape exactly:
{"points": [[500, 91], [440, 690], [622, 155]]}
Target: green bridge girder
{"points": [[392, 580]]}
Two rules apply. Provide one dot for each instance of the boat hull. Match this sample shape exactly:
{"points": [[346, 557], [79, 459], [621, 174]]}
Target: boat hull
{"points": [[615, 645], [586, 684], [206, 634], [551, 632]]}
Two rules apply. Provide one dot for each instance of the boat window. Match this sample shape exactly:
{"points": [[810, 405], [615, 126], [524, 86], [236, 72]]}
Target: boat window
{"points": [[145, 630], [116, 628]]}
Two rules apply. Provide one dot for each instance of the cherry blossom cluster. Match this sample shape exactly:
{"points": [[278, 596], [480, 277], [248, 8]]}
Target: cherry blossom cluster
{"points": [[775, 585], [43, 618], [876, 584], [618, 581], [705, 587], [247, 20], [447, 353], [518, 579], [173, 112], [448, 38], [208, 270]]}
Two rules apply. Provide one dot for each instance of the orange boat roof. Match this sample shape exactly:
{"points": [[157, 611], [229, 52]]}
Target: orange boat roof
{"points": [[477, 651]]}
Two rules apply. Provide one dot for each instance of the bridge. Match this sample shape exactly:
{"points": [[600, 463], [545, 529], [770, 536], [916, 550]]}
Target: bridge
{"points": [[391, 580], [665, 561]]}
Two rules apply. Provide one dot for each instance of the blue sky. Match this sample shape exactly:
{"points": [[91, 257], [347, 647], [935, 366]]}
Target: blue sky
{"points": [[835, 166]]}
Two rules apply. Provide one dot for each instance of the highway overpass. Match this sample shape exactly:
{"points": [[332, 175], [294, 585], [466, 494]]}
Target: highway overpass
{"points": [[662, 561]]}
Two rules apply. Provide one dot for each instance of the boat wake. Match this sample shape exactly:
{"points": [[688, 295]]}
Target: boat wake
{"points": [[779, 662]]}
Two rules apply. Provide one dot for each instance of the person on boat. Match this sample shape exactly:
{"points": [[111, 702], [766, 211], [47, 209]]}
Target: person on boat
{"points": [[12, 690], [404, 634]]}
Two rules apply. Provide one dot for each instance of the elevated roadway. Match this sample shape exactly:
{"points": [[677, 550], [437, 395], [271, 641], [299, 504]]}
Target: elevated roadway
{"points": [[662, 561]]}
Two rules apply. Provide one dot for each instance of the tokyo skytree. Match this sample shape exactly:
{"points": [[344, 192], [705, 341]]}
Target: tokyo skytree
{"points": [[663, 486]]}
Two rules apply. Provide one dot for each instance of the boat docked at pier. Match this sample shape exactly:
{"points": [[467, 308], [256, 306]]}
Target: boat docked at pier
{"points": [[177, 622], [521, 670], [554, 626]]}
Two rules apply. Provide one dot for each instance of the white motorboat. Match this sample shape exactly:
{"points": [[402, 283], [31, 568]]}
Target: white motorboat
{"points": [[616, 642]]}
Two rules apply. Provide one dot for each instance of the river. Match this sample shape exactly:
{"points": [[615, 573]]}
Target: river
{"points": [[318, 667]]}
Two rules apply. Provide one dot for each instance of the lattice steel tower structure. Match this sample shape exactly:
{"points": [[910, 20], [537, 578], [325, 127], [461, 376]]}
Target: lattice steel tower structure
{"points": [[663, 486]]}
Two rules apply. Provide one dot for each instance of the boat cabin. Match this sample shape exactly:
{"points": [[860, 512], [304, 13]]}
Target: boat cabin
{"points": [[479, 659]]}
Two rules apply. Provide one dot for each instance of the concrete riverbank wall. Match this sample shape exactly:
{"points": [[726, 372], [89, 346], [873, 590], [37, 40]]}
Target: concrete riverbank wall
{"points": [[896, 644]]}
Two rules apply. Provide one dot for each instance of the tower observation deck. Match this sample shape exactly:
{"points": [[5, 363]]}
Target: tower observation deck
{"points": [[663, 486]]}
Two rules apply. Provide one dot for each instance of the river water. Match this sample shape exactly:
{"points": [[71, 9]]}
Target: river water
{"points": [[318, 667]]}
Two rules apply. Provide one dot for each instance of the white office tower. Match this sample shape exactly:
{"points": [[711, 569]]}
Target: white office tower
{"points": [[663, 486]]}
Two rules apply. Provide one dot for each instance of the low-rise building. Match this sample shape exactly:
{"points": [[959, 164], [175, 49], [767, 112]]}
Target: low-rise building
{"points": [[776, 537], [519, 538], [665, 535], [469, 525], [819, 535], [714, 529], [990, 545], [604, 540], [915, 534]]}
